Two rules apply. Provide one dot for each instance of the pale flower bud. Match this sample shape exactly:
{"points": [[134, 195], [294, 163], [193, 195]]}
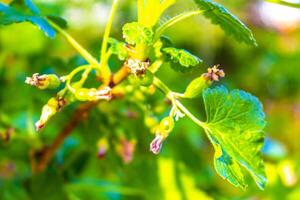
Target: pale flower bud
{"points": [[156, 144], [46, 81], [51, 108]]}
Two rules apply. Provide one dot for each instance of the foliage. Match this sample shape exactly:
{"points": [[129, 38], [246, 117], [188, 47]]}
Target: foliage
{"points": [[123, 92]]}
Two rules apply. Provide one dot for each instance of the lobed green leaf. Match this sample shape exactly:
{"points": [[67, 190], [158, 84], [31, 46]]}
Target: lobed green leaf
{"points": [[136, 33], [9, 15], [235, 122], [118, 48], [181, 59], [227, 21]]}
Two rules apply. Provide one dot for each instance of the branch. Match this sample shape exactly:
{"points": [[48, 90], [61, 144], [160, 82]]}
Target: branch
{"points": [[49, 152], [81, 113]]}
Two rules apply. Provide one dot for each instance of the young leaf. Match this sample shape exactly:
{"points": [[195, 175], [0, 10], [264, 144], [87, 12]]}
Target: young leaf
{"points": [[118, 48], [235, 122], [227, 21], [136, 33], [181, 59], [9, 15]]}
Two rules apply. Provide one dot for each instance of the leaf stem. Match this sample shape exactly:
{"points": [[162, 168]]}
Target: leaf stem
{"points": [[175, 20], [140, 10], [107, 30], [171, 95], [285, 3], [83, 52]]}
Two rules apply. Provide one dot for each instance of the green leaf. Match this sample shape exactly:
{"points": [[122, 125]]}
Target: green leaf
{"points": [[235, 122], [9, 15], [118, 48], [181, 59], [136, 33], [227, 21]]}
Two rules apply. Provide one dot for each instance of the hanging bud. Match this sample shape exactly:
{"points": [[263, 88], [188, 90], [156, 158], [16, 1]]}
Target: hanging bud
{"points": [[102, 148], [199, 84], [156, 144], [47, 81], [54, 105], [84, 94], [164, 129], [137, 67]]}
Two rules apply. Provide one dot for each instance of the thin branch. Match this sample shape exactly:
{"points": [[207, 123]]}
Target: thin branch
{"points": [[80, 114], [49, 152], [83, 52]]}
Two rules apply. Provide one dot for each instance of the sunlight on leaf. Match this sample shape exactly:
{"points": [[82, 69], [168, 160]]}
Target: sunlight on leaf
{"points": [[227, 21], [235, 122]]}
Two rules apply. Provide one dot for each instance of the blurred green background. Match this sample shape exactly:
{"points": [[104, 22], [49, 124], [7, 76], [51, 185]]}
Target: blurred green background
{"points": [[184, 169]]}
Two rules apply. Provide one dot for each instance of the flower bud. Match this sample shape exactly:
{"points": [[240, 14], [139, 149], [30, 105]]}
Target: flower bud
{"points": [[102, 148], [156, 144], [85, 94], [137, 67], [162, 132], [54, 105], [47, 81]]}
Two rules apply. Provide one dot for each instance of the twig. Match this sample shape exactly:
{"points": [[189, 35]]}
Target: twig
{"points": [[47, 154]]}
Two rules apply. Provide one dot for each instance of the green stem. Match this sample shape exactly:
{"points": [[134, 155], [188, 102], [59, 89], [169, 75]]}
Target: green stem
{"points": [[162, 86], [83, 52], [87, 69], [285, 3], [104, 67], [175, 20], [140, 10], [190, 115]]}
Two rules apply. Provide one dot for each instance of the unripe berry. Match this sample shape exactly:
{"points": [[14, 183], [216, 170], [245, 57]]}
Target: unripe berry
{"points": [[166, 125], [85, 94]]}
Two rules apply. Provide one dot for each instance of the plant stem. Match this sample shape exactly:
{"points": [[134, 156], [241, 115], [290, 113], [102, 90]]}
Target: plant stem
{"points": [[175, 20], [285, 3], [104, 69], [83, 52], [140, 10], [190, 115], [162, 86], [49, 152], [79, 115]]}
